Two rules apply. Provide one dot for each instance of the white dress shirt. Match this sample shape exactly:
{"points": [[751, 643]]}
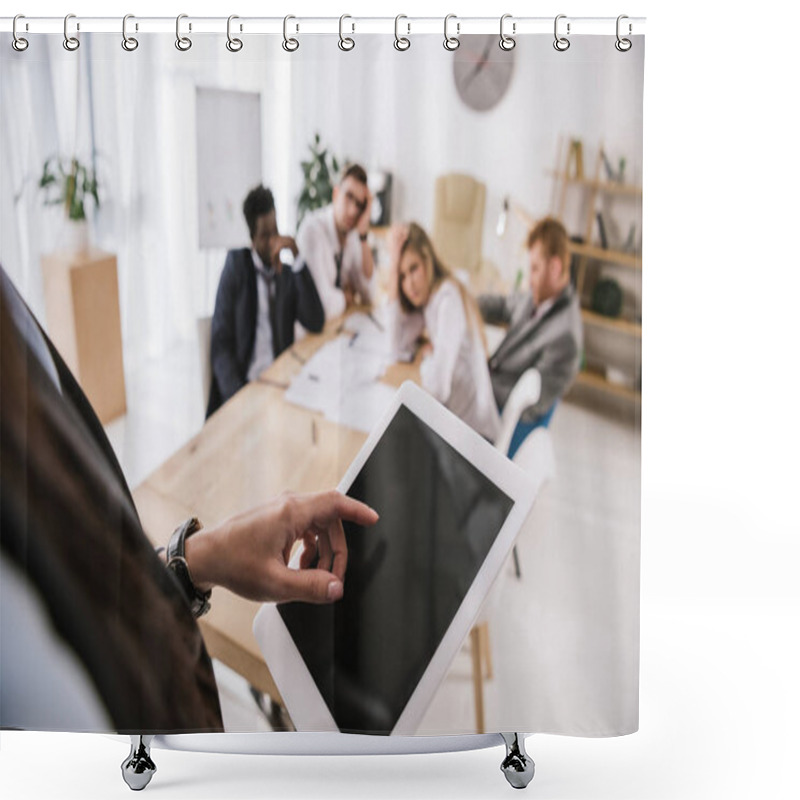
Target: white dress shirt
{"points": [[456, 372], [263, 352], [318, 243]]}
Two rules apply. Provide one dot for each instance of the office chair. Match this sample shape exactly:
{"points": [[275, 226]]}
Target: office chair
{"points": [[530, 447], [204, 351], [459, 205]]}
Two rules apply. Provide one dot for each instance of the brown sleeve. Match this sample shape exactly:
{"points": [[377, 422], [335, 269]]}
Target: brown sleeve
{"points": [[69, 523]]}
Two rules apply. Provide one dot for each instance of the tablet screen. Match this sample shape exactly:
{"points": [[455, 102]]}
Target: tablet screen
{"points": [[406, 576]]}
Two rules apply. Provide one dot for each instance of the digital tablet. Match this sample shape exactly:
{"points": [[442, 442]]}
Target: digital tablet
{"points": [[450, 508]]}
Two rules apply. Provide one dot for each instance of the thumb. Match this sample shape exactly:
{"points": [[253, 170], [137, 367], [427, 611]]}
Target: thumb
{"points": [[307, 586]]}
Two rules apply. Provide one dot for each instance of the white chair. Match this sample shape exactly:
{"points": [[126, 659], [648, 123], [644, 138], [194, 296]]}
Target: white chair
{"points": [[204, 350], [535, 456]]}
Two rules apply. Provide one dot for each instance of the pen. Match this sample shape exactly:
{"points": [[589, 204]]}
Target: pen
{"points": [[373, 318], [352, 339], [297, 357], [272, 382]]}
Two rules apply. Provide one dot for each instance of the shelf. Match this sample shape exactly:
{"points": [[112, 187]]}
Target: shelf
{"points": [[596, 381], [609, 256], [613, 323], [610, 187]]}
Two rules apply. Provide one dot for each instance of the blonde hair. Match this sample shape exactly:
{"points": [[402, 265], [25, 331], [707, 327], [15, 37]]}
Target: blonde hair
{"points": [[437, 273]]}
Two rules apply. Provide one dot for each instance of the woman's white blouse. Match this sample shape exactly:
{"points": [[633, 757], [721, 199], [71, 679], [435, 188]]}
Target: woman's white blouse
{"points": [[456, 372]]}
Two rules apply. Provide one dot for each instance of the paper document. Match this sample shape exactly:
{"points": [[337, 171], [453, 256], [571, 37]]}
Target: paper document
{"points": [[341, 380]]}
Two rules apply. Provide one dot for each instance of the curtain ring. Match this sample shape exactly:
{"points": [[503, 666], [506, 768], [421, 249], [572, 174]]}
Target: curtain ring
{"points": [[71, 43], [289, 44], [183, 43], [129, 43], [507, 42], [623, 45], [401, 43], [561, 43], [451, 42], [345, 42], [234, 45], [18, 42]]}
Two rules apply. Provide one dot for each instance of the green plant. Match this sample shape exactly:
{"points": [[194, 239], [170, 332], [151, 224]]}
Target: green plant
{"points": [[319, 175], [68, 187]]}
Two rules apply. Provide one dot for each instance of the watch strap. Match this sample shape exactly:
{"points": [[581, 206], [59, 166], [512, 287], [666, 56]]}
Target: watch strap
{"points": [[176, 562]]}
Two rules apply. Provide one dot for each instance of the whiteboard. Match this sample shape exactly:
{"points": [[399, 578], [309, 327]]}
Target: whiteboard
{"points": [[228, 163]]}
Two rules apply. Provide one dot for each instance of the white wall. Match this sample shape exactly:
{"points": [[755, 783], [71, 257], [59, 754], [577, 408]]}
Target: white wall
{"points": [[401, 112]]}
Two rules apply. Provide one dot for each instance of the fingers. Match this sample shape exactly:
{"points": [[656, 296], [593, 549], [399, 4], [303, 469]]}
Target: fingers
{"points": [[320, 509], [335, 545], [306, 585], [309, 551]]}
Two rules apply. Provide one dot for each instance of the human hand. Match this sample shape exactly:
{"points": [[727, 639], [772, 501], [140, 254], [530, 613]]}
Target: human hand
{"points": [[249, 553], [349, 297], [425, 350], [277, 244], [363, 221]]}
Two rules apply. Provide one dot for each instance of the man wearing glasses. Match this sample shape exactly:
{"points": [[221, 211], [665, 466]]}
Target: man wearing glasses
{"points": [[333, 243]]}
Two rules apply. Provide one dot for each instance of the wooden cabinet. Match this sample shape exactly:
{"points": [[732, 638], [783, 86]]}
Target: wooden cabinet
{"points": [[82, 304], [594, 259]]}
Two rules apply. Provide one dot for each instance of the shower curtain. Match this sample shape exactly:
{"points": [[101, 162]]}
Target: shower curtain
{"points": [[154, 149]]}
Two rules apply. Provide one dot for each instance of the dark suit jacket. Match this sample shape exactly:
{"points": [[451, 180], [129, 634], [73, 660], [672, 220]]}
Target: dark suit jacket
{"points": [[552, 345], [70, 525], [233, 328]]}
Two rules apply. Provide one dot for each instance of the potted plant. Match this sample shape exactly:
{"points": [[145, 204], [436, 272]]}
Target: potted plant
{"points": [[319, 177], [70, 186]]}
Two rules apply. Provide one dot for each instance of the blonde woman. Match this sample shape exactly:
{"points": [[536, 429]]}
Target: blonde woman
{"points": [[426, 298]]}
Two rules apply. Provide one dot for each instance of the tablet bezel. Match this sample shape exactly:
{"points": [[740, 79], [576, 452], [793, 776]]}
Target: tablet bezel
{"points": [[303, 700]]}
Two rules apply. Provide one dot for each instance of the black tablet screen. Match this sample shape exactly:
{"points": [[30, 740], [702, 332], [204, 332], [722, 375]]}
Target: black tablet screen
{"points": [[406, 576]]}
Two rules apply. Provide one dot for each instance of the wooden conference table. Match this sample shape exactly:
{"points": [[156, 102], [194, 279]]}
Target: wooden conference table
{"points": [[254, 447]]}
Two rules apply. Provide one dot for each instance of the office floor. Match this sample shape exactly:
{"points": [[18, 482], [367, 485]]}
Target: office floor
{"points": [[585, 519]]}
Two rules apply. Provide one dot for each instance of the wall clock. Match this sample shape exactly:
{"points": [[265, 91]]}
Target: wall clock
{"points": [[482, 71]]}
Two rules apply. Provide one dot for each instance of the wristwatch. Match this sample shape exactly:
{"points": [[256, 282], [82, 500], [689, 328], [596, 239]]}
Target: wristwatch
{"points": [[363, 236], [176, 561]]}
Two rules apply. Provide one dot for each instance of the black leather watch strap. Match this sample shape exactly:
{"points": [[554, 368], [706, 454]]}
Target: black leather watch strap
{"points": [[176, 561]]}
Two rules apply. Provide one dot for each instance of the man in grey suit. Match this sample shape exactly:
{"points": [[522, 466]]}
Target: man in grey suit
{"points": [[544, 323]]}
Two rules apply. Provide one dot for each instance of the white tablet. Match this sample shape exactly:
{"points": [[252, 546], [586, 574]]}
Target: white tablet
{"points": [[450, 508]]}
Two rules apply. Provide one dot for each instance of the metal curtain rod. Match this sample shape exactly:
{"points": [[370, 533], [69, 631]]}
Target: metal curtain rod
{"points": [[323, 25]]}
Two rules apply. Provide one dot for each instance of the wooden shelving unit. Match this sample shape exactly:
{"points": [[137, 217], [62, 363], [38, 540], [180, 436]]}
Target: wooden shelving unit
{"points": [[612, 323], [595, 380], [590, 256]]}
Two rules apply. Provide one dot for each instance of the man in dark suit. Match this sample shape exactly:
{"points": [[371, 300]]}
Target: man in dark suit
{"points": [[259, 299], [544, 324]]}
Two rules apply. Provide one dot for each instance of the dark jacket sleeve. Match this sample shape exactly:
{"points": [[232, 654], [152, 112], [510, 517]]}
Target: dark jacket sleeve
{"points": [[557, 367], [224, 363], [494, 309], [310, 313]]}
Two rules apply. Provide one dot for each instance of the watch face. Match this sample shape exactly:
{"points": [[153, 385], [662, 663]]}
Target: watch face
{"points": [[482, 70]]}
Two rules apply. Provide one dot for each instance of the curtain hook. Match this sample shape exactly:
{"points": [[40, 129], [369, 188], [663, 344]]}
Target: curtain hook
{"points": [[289, 44], [183, 43], [561, 43], [401, 43], [345, 42], [18, 42], [451, 42], [71, 43], [129, 43], [623, 45], [234, 45], [507, 42]]}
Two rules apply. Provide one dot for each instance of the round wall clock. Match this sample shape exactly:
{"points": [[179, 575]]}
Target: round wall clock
{"points": [[482, 71]]}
